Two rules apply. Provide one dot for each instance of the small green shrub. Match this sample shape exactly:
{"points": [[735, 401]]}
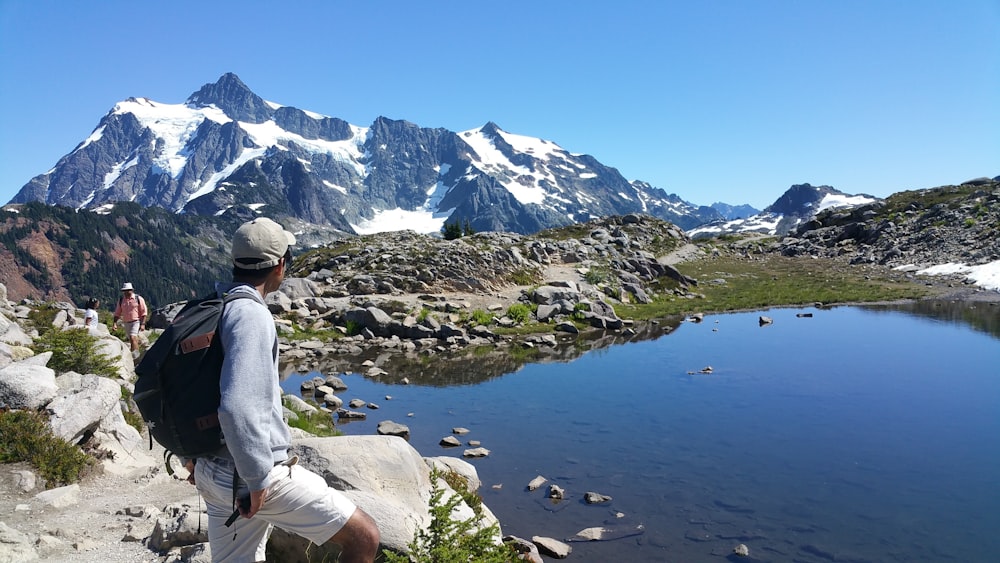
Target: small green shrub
{"points": [[522, 277], [354, 328], [25, 436], [134, 420], [131, 414], [41, 317], [597, 274], [74, 350], [519, 312], [481, 317], [451, 231], [454, 541]]}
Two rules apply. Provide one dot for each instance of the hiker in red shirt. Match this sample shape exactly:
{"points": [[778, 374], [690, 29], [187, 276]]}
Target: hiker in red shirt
{"points": [[131, 311]]}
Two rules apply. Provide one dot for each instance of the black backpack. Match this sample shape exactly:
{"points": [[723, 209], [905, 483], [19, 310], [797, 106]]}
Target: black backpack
{"points": [[177, 390]]}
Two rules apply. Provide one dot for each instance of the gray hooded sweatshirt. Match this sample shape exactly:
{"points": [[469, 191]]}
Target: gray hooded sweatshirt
{"points": [[250, 412]]}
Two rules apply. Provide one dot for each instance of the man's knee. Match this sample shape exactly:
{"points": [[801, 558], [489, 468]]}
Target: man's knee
{"points": [[359, 533]]}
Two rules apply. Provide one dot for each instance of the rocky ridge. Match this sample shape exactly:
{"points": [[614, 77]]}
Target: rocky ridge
{"points": [[912, 229]]}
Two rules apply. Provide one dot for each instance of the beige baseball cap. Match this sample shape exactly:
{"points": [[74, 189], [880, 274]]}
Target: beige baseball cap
{"points": [[262, 242]]}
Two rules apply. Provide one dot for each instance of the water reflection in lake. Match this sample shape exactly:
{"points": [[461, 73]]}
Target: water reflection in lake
{"points": [[980, 315], [853, 435]]}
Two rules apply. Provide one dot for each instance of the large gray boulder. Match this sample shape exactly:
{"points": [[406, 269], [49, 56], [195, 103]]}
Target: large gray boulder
{"points": [[299, 288], [89, 406], [372, 318], [549, 294], [83, 401], [131, 454], [24, 385], [11, 333], [119, 353], [385, 476]]}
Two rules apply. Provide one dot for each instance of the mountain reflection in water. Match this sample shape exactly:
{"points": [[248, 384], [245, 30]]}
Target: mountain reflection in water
{"points": [[469, 366]]}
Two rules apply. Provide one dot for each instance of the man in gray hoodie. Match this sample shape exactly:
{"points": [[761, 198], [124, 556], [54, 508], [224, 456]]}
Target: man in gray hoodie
{"points": [[280, 492]]}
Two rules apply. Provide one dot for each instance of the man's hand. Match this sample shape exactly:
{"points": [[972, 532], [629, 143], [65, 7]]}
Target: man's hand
{"points": [[189, 465], [256, 503]]}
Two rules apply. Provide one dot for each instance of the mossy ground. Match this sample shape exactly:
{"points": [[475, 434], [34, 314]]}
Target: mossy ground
{"points": [[732, 282]]}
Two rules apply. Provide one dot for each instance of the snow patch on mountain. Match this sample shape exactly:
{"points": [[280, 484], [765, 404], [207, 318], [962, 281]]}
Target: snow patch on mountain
{"points": [[209, 186], [763, 223], [174, 124], [539, 148], [269, 134], [110, 177], [95, 136], [842, 200], [526, 185], [420, 221], [331, 185]]}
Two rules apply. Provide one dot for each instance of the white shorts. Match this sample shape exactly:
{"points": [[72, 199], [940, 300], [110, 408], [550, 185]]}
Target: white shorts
{"points": [[298, 501], [131, 327]]}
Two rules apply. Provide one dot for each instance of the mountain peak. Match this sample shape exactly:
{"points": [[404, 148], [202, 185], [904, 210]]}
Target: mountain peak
{"points": [[490, 129], [235, 98]]}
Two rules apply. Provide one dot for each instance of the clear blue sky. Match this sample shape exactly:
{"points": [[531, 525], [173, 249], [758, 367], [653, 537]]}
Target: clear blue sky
{"points": [[715, 100]]}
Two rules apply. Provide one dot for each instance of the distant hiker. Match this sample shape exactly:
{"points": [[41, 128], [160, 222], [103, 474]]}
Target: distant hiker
{"points": [[254, 466], [131, 311], [90, 315]]}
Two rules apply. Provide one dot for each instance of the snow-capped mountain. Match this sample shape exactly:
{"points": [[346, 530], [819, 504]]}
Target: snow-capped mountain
{"points": [[225, 148], [797, 205], [730, 212]]}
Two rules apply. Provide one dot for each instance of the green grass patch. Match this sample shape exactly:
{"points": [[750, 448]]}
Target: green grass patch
{"points": [[323, 334], [481, 317], [519, 312], [317, 423], [524, 277], [598, 274], [952, 196], [771, 281]]}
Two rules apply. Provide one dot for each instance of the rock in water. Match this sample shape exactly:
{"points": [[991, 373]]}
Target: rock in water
{"points": [[605, 533]]}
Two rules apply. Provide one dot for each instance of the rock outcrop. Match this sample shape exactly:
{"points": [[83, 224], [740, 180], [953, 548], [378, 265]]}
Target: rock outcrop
{"points": [[920, 228]]}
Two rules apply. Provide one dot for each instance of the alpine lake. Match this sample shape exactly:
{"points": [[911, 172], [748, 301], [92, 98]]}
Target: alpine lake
{"points": [[852, 433]]}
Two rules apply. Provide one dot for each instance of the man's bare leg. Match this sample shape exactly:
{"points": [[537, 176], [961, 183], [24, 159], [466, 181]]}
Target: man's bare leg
{"points": [[358, 539]]}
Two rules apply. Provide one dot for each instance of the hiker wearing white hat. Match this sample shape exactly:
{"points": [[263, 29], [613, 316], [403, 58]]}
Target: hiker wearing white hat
{"points": [[131, 311]]}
